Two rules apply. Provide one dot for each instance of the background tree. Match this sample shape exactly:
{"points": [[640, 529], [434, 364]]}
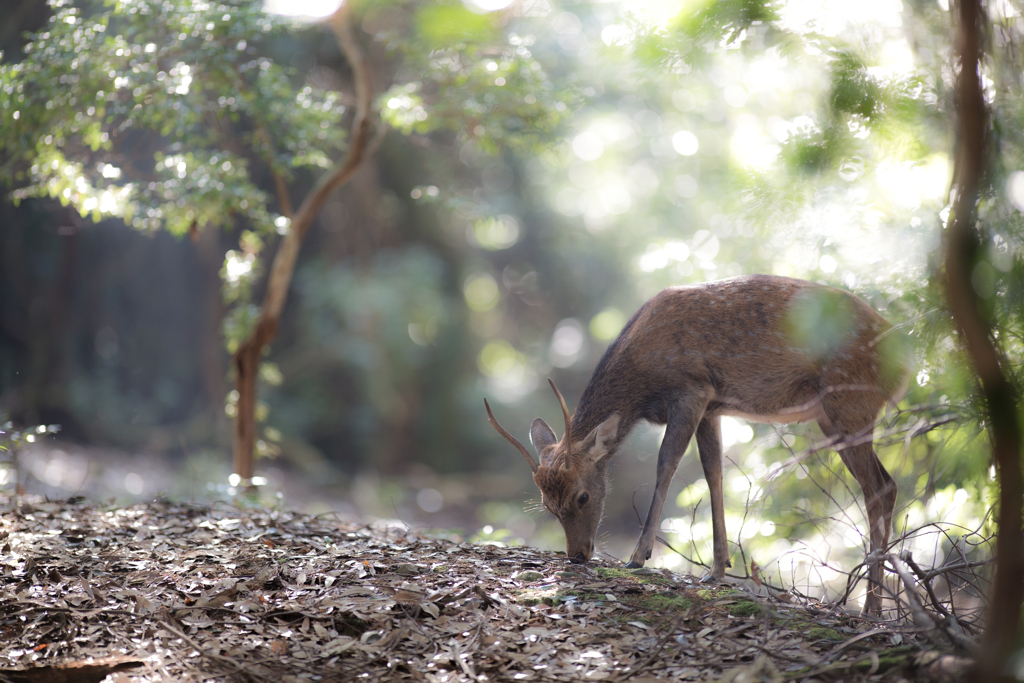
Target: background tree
{"points": [[162, 123]]}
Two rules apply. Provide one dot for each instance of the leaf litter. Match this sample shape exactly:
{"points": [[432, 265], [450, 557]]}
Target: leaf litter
{"points": [[185, 592]]}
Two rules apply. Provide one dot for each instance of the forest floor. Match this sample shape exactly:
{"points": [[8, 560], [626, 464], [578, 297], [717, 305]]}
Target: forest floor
{"points": [[187, 592]]}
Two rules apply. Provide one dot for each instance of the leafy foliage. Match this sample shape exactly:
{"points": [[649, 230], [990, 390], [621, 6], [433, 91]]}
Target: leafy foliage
{"points": [[471, 77], [117, 113]]}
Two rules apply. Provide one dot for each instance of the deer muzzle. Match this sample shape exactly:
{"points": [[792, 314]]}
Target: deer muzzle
{"points": [[582, 556]]}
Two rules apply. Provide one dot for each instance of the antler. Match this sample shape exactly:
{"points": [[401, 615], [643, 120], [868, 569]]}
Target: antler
{"points": [[511, 439], [565, 414]]}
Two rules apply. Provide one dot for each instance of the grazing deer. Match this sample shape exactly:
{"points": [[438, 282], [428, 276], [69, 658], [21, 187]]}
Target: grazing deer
{"points": [[764, 348]]}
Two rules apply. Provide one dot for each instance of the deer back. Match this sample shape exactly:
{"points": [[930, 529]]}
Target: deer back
{"points": [[767, 346]]}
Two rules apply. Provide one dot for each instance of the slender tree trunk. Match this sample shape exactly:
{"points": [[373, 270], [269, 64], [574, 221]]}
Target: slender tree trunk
{"points": [[247, 358], [247, 364], [211, 354], [963, 248]]}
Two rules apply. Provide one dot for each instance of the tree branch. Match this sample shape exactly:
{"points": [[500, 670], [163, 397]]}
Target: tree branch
{"points": [[247, 358], [287, 254]]}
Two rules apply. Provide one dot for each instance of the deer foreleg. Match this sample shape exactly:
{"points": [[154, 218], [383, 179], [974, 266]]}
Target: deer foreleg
{"points": [[683, 418]]}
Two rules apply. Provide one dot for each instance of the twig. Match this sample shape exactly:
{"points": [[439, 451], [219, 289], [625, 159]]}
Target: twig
{"points": [[837, 666], [956, 567], [906, 556], [922, 617]]}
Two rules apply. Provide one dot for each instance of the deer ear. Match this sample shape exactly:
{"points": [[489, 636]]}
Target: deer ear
{"points": [[604, 436], [541, 435]]}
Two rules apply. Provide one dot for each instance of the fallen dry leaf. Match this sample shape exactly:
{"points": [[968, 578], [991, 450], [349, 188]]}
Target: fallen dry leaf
{"points": [[187, 590]]}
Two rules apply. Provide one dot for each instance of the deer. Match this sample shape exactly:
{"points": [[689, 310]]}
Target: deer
{"points": [[760, 347]]}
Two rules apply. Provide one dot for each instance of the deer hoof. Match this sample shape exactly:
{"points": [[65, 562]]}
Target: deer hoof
{"points": [[633, 565]]}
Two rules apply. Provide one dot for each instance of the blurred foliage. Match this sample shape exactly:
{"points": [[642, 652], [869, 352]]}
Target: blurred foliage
{"points": [[551, 166], [468, 76], [12, 437], [382, 331]]}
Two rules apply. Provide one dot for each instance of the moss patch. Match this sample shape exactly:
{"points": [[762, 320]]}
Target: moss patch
{"points": [[549, 596], [746, 608], [641, 575], [822, 633], [664, 602], [717, 593]]}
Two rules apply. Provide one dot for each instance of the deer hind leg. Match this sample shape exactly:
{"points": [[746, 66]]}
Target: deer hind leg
{"points": [[879, 491], [709, 443], [682, 423]]}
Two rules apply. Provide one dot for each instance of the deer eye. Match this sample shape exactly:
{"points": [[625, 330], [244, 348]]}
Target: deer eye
{"points": [[584, 497]]}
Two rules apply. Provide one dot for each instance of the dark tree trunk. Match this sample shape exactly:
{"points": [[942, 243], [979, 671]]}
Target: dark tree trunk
{"points": [[212, 356], [999, 395], [247, 364]]}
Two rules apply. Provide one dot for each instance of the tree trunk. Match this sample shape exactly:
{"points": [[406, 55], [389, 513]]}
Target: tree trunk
{"points": [[247, 358], [211, 342], [247, 364], [963, 248]]}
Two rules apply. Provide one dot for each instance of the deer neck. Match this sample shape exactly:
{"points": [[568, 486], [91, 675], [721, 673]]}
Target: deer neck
{"points": [[602, 397]]}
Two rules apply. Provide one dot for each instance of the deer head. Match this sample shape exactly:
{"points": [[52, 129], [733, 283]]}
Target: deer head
{"points": [[572, 476]]}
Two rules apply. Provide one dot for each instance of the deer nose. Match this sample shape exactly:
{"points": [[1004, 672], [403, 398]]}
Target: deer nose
{"points": [[583, 555]]}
